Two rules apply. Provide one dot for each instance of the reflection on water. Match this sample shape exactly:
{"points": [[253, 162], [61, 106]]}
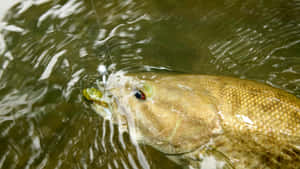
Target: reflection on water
{"points": [[51, 50]]}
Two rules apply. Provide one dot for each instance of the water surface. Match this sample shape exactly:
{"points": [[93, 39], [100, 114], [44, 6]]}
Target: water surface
{"points": [[51, 50]]}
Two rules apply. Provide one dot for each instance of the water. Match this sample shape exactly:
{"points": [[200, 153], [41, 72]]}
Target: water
{"points": [[51, 50]]}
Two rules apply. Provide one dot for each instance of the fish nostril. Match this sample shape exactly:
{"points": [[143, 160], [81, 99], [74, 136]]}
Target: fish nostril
{"points": [[140, 95]]}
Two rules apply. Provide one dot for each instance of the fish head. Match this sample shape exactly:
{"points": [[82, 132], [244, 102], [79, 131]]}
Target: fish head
{"points": [[164, 111]]}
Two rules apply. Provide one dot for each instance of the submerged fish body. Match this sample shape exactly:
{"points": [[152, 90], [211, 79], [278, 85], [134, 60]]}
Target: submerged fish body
{"points": [[193, 118]]}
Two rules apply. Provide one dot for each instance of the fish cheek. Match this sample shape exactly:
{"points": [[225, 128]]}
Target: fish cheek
{"points": [[145, 120], [153, 120]]}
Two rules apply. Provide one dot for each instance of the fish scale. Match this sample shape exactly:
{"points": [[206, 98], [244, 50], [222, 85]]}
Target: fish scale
{"points": [[263, 110], [272, 117]]}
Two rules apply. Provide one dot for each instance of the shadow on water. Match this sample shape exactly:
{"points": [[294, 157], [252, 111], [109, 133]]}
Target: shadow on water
{"points": [[51, 50]]}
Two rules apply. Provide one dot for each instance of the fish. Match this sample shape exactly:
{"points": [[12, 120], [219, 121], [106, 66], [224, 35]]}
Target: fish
{"points": [[206, 121]]}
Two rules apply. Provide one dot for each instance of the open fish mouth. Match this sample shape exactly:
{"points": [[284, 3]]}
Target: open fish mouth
{"points": [[94, 95], [101, 100], [106, 105]]}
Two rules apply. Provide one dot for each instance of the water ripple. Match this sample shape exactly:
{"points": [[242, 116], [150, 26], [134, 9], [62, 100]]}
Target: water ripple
{"points": [[51, 50], [51, 65]]}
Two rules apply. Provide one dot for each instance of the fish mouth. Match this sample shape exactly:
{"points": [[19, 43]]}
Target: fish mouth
{"points": [[94, 95], [100, 98], [105, 104]]}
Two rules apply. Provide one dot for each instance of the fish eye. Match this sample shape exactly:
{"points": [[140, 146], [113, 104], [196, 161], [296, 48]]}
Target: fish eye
{"points": [[140, 95]]}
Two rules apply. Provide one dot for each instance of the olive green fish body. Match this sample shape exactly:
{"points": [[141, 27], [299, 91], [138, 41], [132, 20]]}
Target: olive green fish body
{"points": [[200, 119]]}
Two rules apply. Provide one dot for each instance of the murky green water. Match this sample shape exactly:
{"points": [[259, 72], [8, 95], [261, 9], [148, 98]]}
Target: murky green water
{"points": [[51, 50]]}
